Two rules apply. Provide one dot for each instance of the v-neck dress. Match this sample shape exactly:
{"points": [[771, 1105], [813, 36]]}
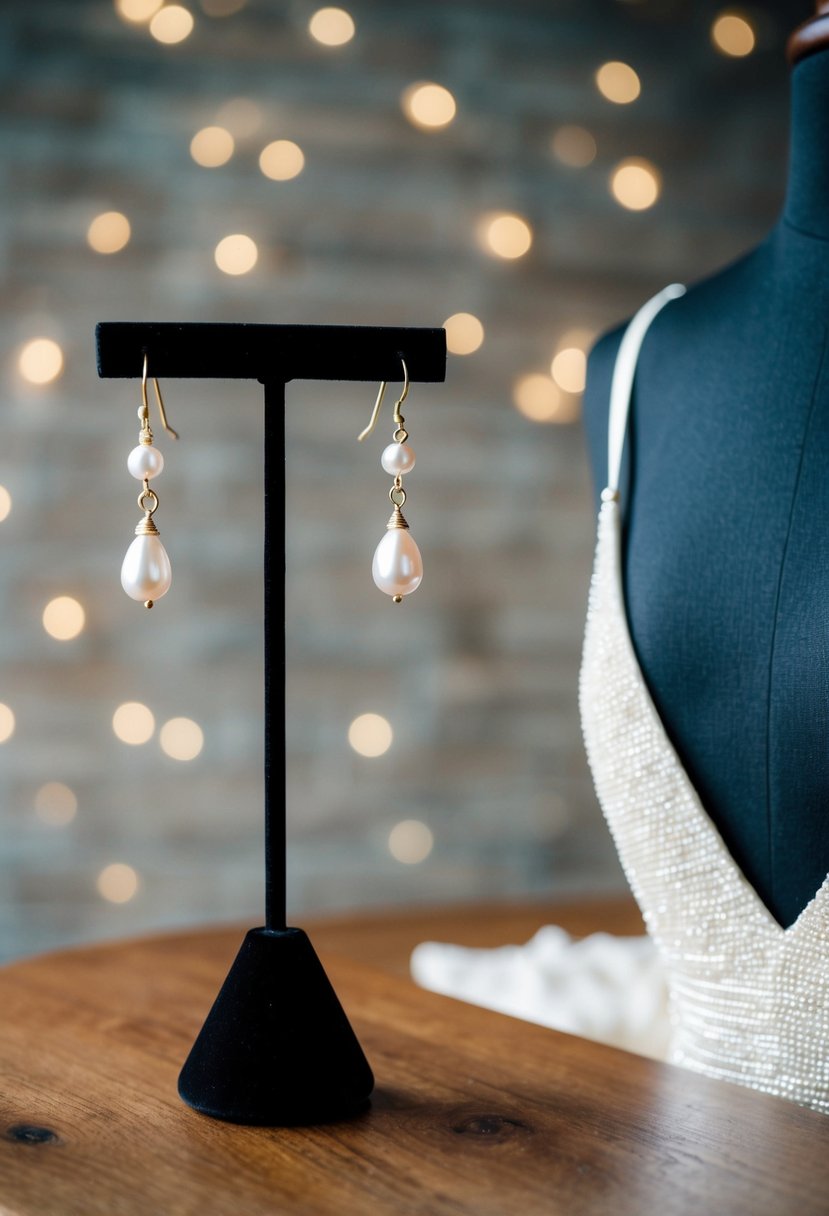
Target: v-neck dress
{"points": [[749, 1000]]}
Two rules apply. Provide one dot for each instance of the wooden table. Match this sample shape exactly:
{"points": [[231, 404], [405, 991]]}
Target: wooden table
{"points": [[473, 1112]]}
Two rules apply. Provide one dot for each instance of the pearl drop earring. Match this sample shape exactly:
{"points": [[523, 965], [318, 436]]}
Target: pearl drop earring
{"points": [[397, 567], [145, 573]]}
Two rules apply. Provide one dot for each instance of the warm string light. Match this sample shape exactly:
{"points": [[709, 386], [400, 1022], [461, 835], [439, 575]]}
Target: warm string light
{"points": [[536, 396], [117, 883], [236, 254], [109, 232], [282, 160], [540, 399], [618, 82], [5, 503], [137, 11], [505, 235], [55, 804], [429, 106], [64, 618], [569, 369], [181, 739], [464, 333], [410, 841], [211, 147], [7, 722], [171, 24], [733, 34], [133, 723], [331, 26], [573, 146], [370, 735], [555, 398], [40, 361], [635, 183]]}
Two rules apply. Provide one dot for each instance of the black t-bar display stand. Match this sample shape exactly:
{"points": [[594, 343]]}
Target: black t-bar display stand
{"points": [[276, 1047]]}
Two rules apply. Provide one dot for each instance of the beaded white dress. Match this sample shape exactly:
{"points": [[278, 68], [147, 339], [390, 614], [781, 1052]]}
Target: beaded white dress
{"points": [[748, 1000]]}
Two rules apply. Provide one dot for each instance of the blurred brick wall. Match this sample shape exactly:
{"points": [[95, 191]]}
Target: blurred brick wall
{"points": [[477, 672]]}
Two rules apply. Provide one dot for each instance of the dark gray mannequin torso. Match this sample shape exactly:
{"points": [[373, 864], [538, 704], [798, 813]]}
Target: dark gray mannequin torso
{"points": [[726, 550]]}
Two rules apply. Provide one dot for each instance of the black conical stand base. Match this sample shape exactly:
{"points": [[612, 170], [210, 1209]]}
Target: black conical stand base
{"points": [[276, 1048]]}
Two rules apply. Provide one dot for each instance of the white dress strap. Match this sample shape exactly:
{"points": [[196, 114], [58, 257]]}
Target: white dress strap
{"points": [[624, 371]]}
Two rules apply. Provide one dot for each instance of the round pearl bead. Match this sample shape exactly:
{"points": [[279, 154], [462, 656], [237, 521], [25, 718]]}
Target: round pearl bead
{"points": [[397, 568], [146, 573], [145, 462], [397, 458]]}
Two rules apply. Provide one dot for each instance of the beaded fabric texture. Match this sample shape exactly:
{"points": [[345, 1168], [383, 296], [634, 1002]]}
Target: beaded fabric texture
{"points": [[748, 1000]]}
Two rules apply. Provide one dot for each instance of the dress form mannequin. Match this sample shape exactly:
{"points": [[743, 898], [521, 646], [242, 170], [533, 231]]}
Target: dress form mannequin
{"points": [[726, 551]]}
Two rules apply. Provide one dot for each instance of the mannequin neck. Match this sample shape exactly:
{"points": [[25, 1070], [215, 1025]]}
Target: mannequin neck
{"points": [[807, 196]]}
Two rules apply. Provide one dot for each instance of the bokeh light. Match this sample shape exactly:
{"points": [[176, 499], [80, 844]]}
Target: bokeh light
{"points": [[40, 361], [464, 333], [181, 739], [331, 26], [137, 11], [536, 396], [618, 82], [539, 398], [5, 503], [133, 723], [569, 369], [573, 146], [282, 160], [117, 883], [236, 254], [636, 184], [732, 34], [109, 232], [211, 147], [7, 722], [505, 235], [241, 116], [428, 106], [410, 841], [171, 24], [370, 735], [63, 618], [55, 803]]}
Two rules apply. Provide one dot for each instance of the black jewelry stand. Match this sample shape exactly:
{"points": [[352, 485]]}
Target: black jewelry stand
{"points": [[276, 1048]]}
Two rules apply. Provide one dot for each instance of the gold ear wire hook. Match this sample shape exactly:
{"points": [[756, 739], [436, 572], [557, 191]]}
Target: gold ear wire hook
{"points": [[158, 398], [398, 417], [373, 421]]}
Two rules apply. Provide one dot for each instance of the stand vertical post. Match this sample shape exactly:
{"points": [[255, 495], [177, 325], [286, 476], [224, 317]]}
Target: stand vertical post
{"points": [[275, 801]]}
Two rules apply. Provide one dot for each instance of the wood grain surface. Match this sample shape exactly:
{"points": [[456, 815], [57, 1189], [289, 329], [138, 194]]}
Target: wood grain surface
{"points": [[473, 1112]]}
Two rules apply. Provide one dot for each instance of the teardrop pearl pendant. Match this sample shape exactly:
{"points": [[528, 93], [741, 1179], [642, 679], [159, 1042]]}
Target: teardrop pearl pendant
{"points": [[146, 573], [397, 568]]}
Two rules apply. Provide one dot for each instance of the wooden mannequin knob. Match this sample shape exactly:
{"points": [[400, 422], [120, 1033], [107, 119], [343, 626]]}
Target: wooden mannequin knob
{"points": [[810, 37]]}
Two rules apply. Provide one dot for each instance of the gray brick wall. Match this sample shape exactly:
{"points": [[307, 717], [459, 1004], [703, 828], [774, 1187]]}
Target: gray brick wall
{"points": [[477, 672]]}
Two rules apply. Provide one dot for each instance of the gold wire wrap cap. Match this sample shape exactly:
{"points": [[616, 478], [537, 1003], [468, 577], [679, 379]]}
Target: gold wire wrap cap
{"points": [[146, 527], [396, 520]]}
